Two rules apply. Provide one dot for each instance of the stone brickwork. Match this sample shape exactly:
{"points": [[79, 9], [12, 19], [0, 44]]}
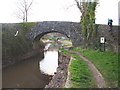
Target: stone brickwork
{"points": [[119, 13], [59, 79], [111, 37], [70, 29], [73, 31]]}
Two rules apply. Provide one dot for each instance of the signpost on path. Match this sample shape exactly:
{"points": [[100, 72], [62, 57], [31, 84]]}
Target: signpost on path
{"points": [[102, 43]]}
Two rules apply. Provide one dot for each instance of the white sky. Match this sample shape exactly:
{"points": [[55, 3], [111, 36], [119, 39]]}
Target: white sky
{"points": [[57, 10]]}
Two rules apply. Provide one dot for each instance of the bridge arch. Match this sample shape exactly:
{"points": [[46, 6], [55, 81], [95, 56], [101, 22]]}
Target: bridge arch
{"points": [[44, 33], [70, 29]]}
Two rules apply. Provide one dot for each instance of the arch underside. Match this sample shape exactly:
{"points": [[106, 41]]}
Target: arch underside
{"points": [[42, 34]]}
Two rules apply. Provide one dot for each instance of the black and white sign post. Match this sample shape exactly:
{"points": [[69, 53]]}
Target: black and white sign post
{"points": [[102, 43]]}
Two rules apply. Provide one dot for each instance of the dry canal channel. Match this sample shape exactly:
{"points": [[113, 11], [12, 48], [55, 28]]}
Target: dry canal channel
{"points": [[27, 74]]}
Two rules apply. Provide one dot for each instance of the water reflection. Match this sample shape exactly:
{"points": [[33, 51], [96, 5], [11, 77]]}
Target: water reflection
{"points": [[50, 62]]}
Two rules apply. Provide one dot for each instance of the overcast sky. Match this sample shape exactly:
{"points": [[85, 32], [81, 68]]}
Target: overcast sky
{"points": [[57, 10]]}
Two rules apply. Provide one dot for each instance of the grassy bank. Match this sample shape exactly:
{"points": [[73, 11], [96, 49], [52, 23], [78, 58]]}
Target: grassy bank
{"points": [[106, 63], [80, 74]]}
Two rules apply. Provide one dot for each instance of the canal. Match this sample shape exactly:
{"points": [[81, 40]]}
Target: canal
{"points": [[27, 74]]}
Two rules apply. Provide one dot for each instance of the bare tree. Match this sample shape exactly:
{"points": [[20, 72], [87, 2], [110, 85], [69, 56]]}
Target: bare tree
{"points": [[24, 7]]}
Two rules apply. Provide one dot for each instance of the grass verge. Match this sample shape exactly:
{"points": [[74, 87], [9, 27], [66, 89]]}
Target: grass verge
{"points": [[80, 74], [106, 63]]}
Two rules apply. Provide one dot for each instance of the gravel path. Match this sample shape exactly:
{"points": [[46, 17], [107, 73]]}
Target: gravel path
{"points": [[96, 74]]}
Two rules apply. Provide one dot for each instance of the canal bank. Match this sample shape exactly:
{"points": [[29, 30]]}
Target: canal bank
{"points": [[18, 59], [60, 77]]}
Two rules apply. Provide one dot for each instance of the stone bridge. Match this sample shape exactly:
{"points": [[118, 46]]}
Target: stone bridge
{"points": [[70, 29]]}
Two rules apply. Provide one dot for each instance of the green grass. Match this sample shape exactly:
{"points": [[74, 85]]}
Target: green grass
{"points": [[80, 74], [106, 62]]}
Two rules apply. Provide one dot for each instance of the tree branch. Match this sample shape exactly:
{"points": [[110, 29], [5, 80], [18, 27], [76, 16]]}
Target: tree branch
{"points": [[30, 5], [78, 4], [24, 8], [70, 6]]}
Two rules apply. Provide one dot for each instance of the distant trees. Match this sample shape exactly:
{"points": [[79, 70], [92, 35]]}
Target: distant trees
{"points": [[24, 7], [87, 9]]}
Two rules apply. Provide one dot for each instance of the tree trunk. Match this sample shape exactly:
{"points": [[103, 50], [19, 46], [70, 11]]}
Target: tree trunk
{"points": [[26, 16]]}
